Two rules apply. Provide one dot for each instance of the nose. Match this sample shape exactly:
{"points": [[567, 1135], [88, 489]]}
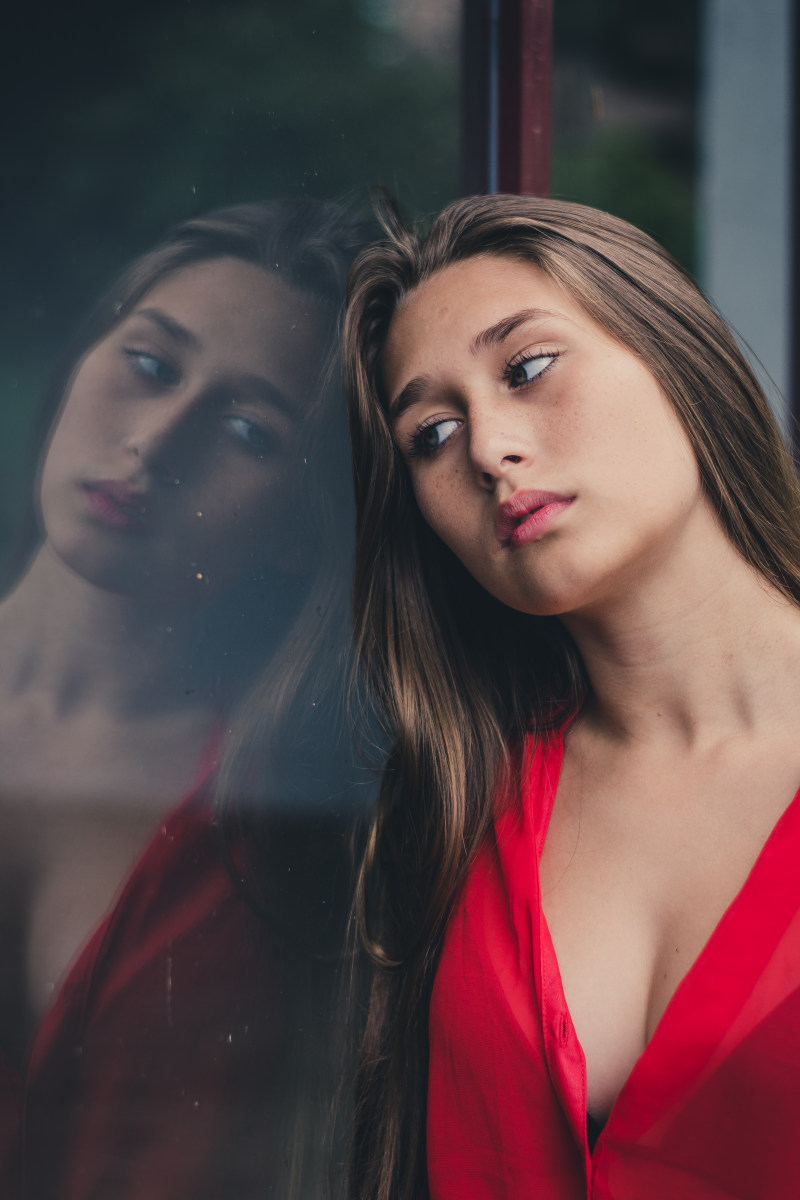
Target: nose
{"points": [[162, 433], [498, 442]]}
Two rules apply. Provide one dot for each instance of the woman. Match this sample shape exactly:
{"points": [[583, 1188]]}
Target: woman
{"points": [[169, 636], [578, 578]]}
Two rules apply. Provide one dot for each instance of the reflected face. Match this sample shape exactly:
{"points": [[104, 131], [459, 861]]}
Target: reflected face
{"points": [[173, 466], [541, 451]]}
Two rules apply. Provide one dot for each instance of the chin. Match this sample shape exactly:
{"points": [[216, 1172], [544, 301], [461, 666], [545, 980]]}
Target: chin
{"points": [[121, 574], [580, 582], [121, 579], [561, 601], [553, 594], [549, 607]]}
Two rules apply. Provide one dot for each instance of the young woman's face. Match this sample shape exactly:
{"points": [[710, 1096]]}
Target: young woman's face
{"points": [[174, 462], [541, 451]]}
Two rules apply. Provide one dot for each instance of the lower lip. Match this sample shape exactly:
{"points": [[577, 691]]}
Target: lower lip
{"points": [[108, 512], [537, 524]]}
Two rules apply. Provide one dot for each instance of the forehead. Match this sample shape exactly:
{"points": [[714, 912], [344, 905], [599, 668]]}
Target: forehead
{"points": [[457, 303], [241, 312]]}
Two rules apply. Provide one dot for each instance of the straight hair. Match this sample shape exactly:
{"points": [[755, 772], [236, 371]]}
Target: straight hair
{"points": [[460, 679]]}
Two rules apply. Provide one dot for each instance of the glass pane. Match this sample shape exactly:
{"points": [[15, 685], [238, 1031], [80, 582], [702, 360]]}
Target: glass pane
{"points": [[177, 783]]}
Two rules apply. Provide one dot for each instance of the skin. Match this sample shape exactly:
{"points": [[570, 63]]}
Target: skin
{"points": [[686, 755], [104, 691], [200, 417]]}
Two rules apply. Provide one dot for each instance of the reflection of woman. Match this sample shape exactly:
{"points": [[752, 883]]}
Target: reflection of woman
{"points": [[168, 617], [577, 597]]}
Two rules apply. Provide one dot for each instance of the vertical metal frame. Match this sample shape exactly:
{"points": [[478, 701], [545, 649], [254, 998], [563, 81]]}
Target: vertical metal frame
{"points": [[507, 56]]}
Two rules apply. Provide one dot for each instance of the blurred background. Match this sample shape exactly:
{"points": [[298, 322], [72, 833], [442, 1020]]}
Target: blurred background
{"points": [[119, 123]]}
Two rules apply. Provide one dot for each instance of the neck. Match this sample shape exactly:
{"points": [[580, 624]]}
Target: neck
{"points": [[75, 645], [692, 656]]}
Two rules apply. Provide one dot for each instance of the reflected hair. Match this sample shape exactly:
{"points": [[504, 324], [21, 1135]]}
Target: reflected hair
{"points": [[279, 643], [459, 678]]}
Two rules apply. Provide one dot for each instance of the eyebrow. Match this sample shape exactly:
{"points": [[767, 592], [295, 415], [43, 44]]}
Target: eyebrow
{"points": [[169, 325], [416, 388], [414, 391], [495, 335], [268, 393], [265, 392]]}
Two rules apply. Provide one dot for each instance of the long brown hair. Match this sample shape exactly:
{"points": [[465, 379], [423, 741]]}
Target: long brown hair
{"points": [[458, 677]]}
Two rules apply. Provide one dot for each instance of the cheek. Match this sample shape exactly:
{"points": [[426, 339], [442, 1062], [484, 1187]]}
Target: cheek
{"points": [[60, 463], [438, 505], [87, 419], [231, 519], [454, 515], [661, 465], [256, 524]]}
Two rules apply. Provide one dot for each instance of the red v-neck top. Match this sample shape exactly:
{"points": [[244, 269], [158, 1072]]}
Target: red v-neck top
{"points": [[154, 1075], [711, 1110]]}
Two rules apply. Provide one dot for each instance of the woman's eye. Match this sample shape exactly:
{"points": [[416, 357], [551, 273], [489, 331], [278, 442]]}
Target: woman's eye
{"points": [[525, 371], [151, 367], [254, 436], [430, 438]]}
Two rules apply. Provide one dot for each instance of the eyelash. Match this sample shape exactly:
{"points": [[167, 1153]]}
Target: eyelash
{"points": [[255, 440], [416, 448], [134, 353], [521, 360]]}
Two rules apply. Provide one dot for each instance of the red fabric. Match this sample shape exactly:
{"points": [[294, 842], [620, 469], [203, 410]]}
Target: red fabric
{"points": [[153, 1074], [711, 1111]]}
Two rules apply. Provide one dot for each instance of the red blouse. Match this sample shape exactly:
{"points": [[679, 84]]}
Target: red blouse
{"points": [[155, 1074], [711, 1110]]}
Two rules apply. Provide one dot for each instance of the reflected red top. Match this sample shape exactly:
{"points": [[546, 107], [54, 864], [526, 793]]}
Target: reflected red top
{"points": [[154, 1073], [711, 1111]]}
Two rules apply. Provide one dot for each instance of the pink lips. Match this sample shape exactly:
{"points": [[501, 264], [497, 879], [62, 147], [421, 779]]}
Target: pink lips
{"points": [[528, 515], [118, 506]]}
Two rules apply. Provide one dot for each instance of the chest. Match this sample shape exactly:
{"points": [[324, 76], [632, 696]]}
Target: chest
{"points": [[77, 808], [709, 1104], [640, 863]]}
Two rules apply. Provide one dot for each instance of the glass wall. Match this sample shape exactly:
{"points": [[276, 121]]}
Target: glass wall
{"points": [[177, 783], [122, 127]]}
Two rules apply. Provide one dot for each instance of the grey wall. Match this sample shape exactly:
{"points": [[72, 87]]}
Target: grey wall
{"points": [[745, 178]]}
